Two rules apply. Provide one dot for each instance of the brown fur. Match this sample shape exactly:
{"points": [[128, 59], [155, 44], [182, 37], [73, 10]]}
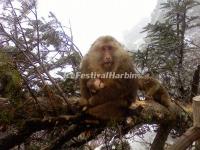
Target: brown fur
{"points": [[155, 89], [110, 102]]}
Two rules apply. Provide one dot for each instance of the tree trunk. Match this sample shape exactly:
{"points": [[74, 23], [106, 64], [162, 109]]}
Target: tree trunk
{"points": [[192, 134], [161, 137], [195, 83]]}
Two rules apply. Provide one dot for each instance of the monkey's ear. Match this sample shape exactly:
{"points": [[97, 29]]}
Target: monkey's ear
{"points": [[84, 61]]}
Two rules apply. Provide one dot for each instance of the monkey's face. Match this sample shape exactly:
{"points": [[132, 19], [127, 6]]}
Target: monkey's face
{"points": [[107, 59], [105, 54]]}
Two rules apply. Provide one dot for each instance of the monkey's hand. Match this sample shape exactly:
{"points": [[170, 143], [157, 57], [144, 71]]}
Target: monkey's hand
{"points": [[83, 102], [94, 101], [148, 97], [91, 101]]}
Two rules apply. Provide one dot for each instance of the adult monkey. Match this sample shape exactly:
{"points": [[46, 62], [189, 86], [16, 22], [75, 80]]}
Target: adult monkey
{"points": [[112, 97]]}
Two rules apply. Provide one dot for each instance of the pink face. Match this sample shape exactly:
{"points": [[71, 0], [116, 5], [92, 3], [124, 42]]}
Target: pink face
{"points": [[106, 52]]}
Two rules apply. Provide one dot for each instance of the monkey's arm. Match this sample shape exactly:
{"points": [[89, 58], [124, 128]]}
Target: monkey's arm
{"points": [[109, 110], [85, 93], [153, 89], [102, 96], [114, 89]]}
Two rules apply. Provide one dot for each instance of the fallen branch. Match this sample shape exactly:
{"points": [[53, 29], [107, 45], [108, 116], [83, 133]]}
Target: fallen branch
{"points": [[161, 137], [31, 126], [73, 131], [186, 139], [151, 112], [193, 133]]}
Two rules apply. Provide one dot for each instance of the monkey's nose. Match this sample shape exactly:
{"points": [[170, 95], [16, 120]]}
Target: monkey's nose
{"points": [[107, 59]]}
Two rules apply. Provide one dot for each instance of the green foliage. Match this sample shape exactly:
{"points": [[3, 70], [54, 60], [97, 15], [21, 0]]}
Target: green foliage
{"points": [[159, 55], [179, 7], [9, 78], [165, 41], [164, 53], [70, 85], [5, 117]]}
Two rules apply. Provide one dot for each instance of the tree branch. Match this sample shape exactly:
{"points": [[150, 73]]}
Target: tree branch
{"points": [[151, 112]]}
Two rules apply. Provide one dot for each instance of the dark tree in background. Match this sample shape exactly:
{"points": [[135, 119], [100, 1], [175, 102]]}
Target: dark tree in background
{"points": [[195, 82], [168, 51]]}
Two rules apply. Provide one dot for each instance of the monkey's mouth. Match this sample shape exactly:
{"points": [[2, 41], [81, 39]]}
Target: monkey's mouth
{"points": [[108, 64]]}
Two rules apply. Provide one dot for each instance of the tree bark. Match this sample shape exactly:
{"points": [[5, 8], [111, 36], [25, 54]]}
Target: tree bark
{"points": [[195, 83], [191, 134], [161, 137]]}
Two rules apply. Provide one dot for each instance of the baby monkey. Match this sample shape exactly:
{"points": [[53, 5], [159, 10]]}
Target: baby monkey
{"points": [[153, 88], [94, 85]]}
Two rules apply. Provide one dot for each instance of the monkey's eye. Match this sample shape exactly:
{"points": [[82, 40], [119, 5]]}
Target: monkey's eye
{"points": [[107, 48], [104, 48]]}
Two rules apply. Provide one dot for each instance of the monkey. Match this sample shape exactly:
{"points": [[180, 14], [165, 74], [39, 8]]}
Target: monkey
{"points": [[111, 98], [94, 85], [153, 88]]}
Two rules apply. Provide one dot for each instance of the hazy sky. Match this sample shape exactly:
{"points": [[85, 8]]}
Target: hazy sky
{"points": [[92, 18]]}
